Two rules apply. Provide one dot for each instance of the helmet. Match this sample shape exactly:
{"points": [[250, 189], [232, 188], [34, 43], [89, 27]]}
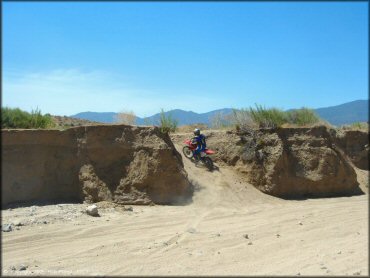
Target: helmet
{"points": [[196, 132]]}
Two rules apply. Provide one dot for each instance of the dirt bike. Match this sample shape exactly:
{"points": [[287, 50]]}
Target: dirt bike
{"points": [[189, 149]]}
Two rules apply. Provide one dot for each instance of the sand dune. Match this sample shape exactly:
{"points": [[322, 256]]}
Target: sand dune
{"points": [[230, 228]]}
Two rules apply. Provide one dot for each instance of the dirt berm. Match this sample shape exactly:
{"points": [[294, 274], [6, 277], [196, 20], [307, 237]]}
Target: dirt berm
{"points": [[286, 162], [124, 164], [355, 144]]}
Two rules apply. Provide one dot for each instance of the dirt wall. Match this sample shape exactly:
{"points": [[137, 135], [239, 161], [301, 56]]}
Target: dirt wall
{"points": [[287, 162], [355, 144], [125, 164]]}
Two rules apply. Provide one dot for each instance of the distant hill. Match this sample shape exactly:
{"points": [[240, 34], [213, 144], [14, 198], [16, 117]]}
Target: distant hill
{"points": [[347, 113], [187, 117], [102, 117], [183, 117]]}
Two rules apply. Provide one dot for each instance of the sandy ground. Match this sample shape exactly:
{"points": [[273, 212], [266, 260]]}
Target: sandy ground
{"points": [[230, 228]]}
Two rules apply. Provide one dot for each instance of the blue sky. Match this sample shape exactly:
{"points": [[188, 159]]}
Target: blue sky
{"points": [[66, 57]]}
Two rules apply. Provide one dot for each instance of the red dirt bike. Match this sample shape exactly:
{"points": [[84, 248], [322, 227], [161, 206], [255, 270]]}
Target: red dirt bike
{"points": [[189, 149]]}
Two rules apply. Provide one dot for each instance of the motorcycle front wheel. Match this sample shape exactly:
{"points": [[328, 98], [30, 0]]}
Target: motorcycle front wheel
{"points": [[208, 162], [187, 152]]}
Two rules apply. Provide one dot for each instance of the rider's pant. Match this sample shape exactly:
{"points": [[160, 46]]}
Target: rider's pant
{"points": [[198, 150]]}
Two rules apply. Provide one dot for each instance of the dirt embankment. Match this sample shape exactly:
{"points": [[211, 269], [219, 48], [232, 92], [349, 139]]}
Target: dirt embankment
{"points": [[66, 122], [355, 143], [287, 162], [230, 229], [124, 164]]}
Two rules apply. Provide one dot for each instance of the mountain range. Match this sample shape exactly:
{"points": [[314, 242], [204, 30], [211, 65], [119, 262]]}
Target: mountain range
{"points": [[346, 113]]}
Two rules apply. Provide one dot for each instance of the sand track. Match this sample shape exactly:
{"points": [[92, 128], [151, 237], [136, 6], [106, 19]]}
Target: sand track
{"points": [[230, 228]]}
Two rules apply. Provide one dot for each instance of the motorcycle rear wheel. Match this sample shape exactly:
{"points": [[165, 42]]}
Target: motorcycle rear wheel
{"points": [[208, 162], [187, 152]]}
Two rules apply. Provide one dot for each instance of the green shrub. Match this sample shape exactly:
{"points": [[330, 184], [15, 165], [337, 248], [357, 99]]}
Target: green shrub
{"points": [[267, 118], [16, 118], [274, 117], [166, 123], [302, 117]]}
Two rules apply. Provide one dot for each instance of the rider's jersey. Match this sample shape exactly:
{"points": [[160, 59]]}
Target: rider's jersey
{"points": [[201, 141]]}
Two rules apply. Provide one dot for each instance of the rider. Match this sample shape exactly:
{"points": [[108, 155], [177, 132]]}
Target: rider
{"points": [[200, 140]]}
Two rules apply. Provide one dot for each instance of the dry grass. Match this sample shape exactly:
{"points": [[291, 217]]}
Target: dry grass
{"points": [[190, 128], [221, 121], [126, 117], [319, 123], [362, 126]]}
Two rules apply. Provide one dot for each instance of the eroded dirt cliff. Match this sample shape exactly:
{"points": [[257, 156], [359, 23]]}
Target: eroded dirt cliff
{"points": [[286, 162], [124, 164], [355, 144]]}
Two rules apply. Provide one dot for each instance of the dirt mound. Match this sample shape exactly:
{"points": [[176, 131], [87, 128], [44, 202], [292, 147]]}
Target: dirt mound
{"points": [[190, 128], [301, 162], [65, 122], [287, 162], [355, 143], [125, 164]]}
